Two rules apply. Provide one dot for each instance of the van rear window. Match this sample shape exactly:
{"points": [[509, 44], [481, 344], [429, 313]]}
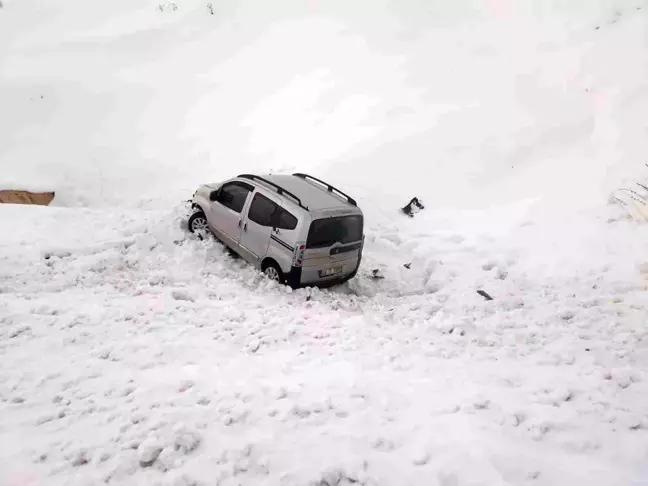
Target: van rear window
{"points": [[340, 229]]}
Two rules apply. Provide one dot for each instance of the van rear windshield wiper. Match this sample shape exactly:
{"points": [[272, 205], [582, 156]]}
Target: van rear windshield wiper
{"points": [[322, 244]]}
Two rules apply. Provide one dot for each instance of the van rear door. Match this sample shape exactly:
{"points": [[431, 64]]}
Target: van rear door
{"points": [[333, 245]]}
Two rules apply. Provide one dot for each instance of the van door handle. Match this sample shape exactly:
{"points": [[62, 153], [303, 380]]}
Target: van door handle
{"points": [[245, 226], [239, 223]]}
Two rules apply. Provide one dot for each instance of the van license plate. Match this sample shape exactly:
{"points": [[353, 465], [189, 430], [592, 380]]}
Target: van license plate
{"points": [[329, 272]]}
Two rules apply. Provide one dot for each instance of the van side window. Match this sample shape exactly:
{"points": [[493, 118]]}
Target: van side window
{"points": [[262, 210], [284, 220], [233, 195]]}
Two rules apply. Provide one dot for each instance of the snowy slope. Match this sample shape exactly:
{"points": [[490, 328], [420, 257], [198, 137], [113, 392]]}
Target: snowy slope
{"points": [[131, 353], [465, 103]]}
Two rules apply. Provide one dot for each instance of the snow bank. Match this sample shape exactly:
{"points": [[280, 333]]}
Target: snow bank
{"points": [[464, 104]]}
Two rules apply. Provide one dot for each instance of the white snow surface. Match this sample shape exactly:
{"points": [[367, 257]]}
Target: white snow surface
{"points": [[132, 353]]}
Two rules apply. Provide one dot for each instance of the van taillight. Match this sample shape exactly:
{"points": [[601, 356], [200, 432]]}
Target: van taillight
{"points": [[298, 254]]}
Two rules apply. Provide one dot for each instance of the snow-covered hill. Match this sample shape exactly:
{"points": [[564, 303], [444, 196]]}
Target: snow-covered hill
{"points": [[464, 103], [131, 353]]}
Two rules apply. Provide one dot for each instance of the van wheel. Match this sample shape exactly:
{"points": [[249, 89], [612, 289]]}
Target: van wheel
{"points": [[198, 224], [273, 272]]}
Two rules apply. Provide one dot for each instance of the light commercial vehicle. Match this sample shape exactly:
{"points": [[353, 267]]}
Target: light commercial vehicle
{"points": [[295, 228]]}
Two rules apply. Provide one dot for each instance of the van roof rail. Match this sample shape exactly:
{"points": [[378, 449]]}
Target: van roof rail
{"points": [[329, 187], [280, 190]]}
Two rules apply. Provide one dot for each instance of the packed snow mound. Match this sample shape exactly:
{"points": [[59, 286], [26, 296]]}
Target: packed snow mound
{"points": [[463, 103]]}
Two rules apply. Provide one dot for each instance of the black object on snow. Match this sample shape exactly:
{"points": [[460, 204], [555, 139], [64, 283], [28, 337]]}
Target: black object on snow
{"points": [[375, 273], [408, 265], [409, 210], [484, 295]]}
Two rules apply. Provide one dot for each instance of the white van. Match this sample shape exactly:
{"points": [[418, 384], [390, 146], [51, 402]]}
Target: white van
{"points": [[295, 228]]}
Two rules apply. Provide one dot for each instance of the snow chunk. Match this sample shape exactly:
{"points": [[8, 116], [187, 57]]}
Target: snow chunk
{"points": [[186, 440], [148, 451], [183, 295]]}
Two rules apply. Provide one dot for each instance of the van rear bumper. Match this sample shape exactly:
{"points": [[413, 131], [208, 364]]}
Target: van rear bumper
{"points": [[296, 278]]}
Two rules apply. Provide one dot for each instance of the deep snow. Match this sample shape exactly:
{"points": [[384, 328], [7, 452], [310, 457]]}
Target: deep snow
{"points": [[123, 340], [131, 353]]}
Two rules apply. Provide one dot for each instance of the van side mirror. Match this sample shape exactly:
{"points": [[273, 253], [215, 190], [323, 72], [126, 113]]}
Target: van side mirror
{"points": [[214, 195]]}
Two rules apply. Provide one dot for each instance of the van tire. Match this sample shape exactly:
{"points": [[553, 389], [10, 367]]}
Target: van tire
{"points": [[273, 272], [198, 224]]}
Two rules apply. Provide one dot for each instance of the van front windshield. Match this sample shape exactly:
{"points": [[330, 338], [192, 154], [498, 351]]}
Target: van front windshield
{"points": [[328, 231]]}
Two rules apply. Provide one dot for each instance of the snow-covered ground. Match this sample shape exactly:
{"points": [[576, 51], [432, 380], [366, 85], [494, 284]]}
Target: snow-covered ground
{"points": [[123, 338], [132, 353]]}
